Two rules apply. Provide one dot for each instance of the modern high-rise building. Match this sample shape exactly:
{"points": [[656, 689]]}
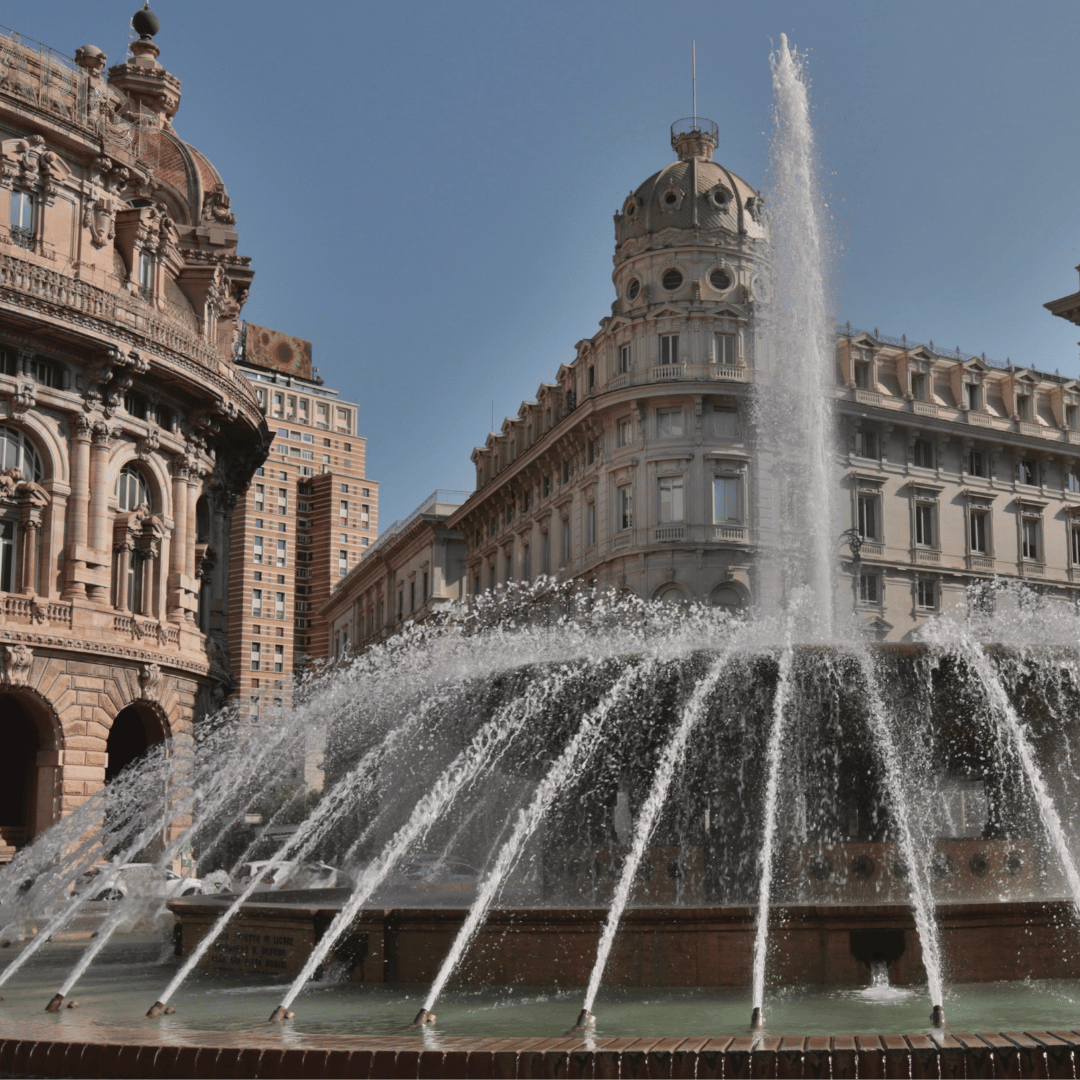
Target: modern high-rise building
{"points": [[303, 523]]}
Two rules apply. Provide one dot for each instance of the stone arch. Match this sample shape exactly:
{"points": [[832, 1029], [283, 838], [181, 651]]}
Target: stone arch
{"points": [[52, 450], [134, 729], [30, 767], [730, 595], [671, 592], [155, 481]]}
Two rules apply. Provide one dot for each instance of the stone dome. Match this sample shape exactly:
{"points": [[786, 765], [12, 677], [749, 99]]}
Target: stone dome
{"points": [[692, 195], [201, 191]]}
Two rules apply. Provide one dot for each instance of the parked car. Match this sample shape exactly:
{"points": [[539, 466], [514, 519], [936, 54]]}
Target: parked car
{"points": [[289, 875], [435, 876], [142, 879]]}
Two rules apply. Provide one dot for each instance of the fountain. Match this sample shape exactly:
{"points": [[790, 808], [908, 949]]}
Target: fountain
{"points": [[650, 797]]}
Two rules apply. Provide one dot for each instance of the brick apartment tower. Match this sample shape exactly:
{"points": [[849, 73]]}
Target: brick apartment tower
{"points": [[303, 522]]}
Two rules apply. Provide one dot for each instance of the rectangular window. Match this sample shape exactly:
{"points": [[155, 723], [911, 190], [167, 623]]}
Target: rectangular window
{"points": [[1029, 539], [590, 524], [624, 432], [343, 421], [545, 553], [1072, 417], [260, 497], [342, 563], [869, 517], [669, 348], [671, 499], [279, 605], [343, 509], [926, 594], [564, 548], [1023, 407], [862, 375], [725, 422], [1074, 536], [1027, 471], [918, 386], [22, 219], [256, 603], [282, 552], [727, 499], [590, 380], [669, 423], [412, 595], [977, 463], [924, 524], [545, 486], [866, 444], [526, 564], [974, 396], [279, 658], [624, 359], [1072, 478], [279, 404], [283, 500], [257, 555], [979, 532], [146, 273], [724, 349], [869, 589], [256, 656], [624, 507], [922, 453], [590, 452]]}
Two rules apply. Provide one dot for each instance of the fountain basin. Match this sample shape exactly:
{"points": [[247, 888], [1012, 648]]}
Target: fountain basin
{"points": [[822, 945]]}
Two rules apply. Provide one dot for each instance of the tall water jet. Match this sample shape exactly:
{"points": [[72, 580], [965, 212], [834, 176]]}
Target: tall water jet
{"points": [[771, 809], [795, 360]]}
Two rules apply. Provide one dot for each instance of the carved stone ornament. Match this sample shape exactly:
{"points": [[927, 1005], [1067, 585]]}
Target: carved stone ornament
{"points": [[216, 205], [148, 444], [23, 399], [17, 662], [150, 681], [99, 217]]}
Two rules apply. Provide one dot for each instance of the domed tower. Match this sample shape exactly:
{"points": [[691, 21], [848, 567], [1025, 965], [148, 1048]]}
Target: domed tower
{"points": [[126, 429], [632, 470]]}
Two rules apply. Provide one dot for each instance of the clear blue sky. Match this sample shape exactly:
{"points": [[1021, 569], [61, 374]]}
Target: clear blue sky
{"points": [[426, 189]]}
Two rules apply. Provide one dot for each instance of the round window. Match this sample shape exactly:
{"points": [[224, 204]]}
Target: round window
{"points": [[670, 198], [631, 209], [671, 280], [633, 289], [721, 196], [720, 280]]}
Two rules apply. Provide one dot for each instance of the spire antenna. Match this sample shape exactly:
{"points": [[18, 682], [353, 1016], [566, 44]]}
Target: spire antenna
{"points": [[693, 76]]}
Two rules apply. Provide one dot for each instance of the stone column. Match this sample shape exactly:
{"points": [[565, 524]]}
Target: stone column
{"points": [[28, 557], [124, 555], [77, 508], [193, 492], [99, 503], [179, 544]]}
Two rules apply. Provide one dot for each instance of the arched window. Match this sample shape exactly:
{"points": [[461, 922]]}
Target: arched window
{"points": [[132, 490], [671, 594], [727, 597], [17, 452]]}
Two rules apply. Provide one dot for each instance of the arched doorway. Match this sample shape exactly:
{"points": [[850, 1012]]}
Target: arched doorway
{"points": [[132, 733], [28, 768]]}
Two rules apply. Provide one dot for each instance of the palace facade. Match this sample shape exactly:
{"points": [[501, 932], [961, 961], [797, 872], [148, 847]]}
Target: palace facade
{"points": [[637, 468], [127, 432]]}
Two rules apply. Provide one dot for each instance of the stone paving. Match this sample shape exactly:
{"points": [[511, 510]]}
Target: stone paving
{"points": [[34, 1050]]}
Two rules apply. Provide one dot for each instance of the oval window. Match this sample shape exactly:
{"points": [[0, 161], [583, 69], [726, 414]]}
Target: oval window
{"points": [[671, 280], [720, 279], [633, 289]]}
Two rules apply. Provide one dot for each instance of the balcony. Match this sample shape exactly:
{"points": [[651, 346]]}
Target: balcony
{"points": [[924, 408], [731, 534], [1033, 431], [667, 372], [666, 533], [623, 540], [978, 419], [148, 630], [704, 372], [872, 550], [925, 555], [29, 609], [867, 397], [984, 564]]}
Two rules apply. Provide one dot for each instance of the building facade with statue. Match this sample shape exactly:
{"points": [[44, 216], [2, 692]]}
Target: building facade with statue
{"points": [[127, 432], [639, 468]]}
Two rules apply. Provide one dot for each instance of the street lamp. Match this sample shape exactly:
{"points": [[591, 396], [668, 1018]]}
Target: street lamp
{"points": [[854, 540]]}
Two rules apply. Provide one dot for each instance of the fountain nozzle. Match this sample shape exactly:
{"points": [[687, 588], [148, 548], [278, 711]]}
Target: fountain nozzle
{"points": [[757, 1020], [54, 1005], [423, 1018], [278, 1015], [937, 1017], [585, 1021], [156, 1009]]}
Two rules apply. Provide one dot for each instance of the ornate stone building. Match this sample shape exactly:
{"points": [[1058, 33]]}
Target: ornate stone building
{"points": [[126, 431], [638, 468], [631, 469]]}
